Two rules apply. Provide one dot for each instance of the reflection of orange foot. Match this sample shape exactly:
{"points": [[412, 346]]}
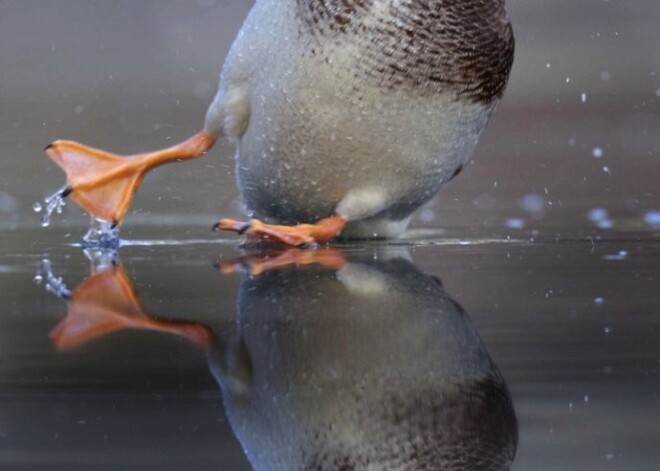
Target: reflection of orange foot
{"points": [[106, 302], [259, 263], [302, 234], [103, 184]]}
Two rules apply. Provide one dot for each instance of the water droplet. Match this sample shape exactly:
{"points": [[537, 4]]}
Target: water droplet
{"points": [[598, 214], [652, 218], [37, 207], [38, 279], [53, 203], [427, 215], [515, 223], [54, 284], [532, 203], [620, 255], [597, 152], [583, 97]]}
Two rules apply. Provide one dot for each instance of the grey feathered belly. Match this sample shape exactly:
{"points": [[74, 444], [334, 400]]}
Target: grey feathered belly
{"points": [[300, 172], [306, 188]]}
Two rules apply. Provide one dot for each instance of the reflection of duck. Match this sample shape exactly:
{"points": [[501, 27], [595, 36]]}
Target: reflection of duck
{"points": [[361, 364], [372, 366], [349, 112]]}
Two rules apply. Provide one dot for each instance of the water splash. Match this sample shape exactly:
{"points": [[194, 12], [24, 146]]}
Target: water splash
{"points": [[101, 259], [54, 284], [102, 235], [52, 204]]}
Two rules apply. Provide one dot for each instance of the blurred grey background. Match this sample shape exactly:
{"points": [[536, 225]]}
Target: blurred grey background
{"points": [[579, 127]]}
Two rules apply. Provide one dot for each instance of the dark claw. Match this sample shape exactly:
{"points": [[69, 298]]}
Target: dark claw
{"points": [[244, 229], [115, 223], [67, 191], [437, 280], [241, 231], [48, 146]]}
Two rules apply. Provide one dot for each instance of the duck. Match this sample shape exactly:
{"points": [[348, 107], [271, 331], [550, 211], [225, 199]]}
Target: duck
{"points": [[347, 116]]}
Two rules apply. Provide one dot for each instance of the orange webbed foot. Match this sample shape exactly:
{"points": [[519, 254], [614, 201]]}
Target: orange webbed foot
{"points": [[301, 234], [103, 184]]}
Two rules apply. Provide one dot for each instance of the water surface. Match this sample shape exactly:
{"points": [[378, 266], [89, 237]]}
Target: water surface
{"points": [[226, 366]]}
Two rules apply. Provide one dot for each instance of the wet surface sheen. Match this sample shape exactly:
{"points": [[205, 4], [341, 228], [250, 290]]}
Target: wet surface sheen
{"points": [[430, 350]]}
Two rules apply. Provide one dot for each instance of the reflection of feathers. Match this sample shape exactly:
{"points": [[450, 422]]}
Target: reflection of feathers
{"points": [[376, 370], [465, 428]]}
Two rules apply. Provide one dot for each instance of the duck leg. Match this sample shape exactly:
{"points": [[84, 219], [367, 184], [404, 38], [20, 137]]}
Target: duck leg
{"points": [[301, 234], [103, 184]]}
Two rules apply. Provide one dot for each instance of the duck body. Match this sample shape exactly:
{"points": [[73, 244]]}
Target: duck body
{"points": [[358, 108], [347, 116]]}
